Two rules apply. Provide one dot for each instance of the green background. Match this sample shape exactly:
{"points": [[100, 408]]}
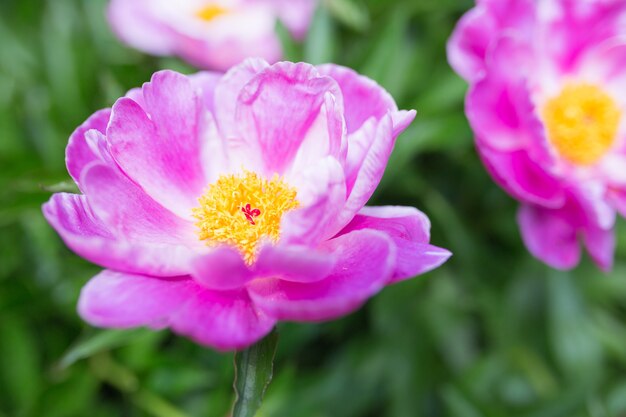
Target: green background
{"points": [[492, 333]]}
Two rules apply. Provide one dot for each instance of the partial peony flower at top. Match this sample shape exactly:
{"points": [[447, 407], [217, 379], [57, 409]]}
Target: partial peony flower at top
{"points": [[214, 34], [222, 204], [546, 102]]}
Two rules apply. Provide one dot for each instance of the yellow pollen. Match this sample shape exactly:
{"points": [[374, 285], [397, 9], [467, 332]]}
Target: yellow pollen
{"points": [[241, 210], [582, 123], [210, 12]]}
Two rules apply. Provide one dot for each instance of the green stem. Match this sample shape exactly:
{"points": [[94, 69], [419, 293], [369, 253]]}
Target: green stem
{"points": [[253, 373]]}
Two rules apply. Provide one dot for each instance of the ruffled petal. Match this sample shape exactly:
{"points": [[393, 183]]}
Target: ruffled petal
{"points": [[71, 216], [160, 150], [409, 229], [228, 89], [363, 97], [365, 260], [279, 112], [549, 236]]}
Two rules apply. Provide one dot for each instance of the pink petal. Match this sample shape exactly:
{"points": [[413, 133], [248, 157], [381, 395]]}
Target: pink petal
{"points": [[467, 47], [225, 320], [365, 265], [293, 263], [161, 151], [321, 194], [80, 151], [363, 97], [602, 20], [71, 216], [221, 319], [368, 152], [278, 108], [115, 299], [128, 211], [222, 268], [409, 229], [502, 114], [228, 89], [549, 236], [523, 178]]}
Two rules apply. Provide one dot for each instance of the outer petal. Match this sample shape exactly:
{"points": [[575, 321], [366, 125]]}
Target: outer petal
{"points": [[71, 216], [365, 265], [549, 236], [161, 151], [224, 320], [363, 97], [373, 145], [279, 109], [81, 150], [133, 215], [502, 114], [523, 178], [467, 47], [409, 229]]}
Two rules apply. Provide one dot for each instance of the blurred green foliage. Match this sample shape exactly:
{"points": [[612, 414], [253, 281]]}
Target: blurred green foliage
{"points": [[492, 333]]}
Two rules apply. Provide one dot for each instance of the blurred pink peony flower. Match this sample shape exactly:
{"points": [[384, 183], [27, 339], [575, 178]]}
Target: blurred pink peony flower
{"points": [[209, 34], [222, 204], [546, 104]]}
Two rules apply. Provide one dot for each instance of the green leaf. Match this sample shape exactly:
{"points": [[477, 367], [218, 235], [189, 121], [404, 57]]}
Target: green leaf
{"points": [[253, 372], [102, 341]]}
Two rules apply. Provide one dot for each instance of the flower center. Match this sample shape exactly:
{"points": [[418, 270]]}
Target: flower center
{"points": [[241, 210], [210, 12], [582, 123]]}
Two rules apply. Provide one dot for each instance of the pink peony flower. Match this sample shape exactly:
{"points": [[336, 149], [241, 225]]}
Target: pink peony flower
{"points": [[222, 204], [209, 34], [546, 104]]}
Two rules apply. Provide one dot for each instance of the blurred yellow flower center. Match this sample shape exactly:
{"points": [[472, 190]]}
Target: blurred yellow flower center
{"points": [[241, 210], [210, 12], [582, 123]]}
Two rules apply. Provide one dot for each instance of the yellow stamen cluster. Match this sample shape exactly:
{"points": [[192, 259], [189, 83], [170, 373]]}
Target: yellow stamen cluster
{"points": [[241, 210], [582, 123], [210, 12]]}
